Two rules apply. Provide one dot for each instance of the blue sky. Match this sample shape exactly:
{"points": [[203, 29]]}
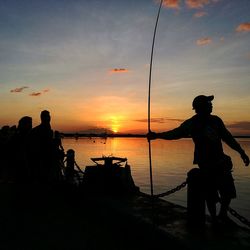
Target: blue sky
{"points": [[88, 61]]}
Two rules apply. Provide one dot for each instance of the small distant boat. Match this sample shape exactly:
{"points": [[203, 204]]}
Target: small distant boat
{"points": [[76, 136]]}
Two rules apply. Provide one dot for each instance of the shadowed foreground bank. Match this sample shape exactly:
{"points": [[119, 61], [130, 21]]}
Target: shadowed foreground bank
{"points": [[61, 219], [65, 218]]}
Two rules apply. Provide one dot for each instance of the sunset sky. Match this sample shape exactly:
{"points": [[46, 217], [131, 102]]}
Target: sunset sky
{"points": [[87, 62]]}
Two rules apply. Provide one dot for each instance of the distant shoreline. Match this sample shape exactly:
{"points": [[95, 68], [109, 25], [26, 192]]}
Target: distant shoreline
{"points": [[102, 135], [78, 135]]}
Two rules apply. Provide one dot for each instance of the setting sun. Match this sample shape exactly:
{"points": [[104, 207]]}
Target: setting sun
{"points": [[115, 123]]}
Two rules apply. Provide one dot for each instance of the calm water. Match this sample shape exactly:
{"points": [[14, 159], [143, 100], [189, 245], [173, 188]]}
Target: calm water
{"points": [[171, 161]]}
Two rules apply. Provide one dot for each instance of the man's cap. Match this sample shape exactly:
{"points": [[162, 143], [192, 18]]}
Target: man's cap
{"points": [[200, 100]]}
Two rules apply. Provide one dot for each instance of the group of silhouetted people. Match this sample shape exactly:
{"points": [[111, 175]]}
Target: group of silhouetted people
{"points": [[31, 154]]}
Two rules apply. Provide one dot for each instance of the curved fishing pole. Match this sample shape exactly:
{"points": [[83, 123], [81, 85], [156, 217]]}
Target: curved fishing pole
{"points": [[149, 96]]}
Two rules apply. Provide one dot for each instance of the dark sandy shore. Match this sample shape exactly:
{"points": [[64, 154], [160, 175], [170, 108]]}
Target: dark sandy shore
{"points": [[64, 218]]}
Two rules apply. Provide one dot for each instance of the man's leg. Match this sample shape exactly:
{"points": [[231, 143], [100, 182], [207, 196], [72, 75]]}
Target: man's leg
{"points": [[211, 206], [224, 207], [227, 192]]}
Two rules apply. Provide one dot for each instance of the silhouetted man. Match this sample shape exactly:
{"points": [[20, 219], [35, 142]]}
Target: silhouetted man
{"points": [[19, 149], [208, 131], [42, 148]]}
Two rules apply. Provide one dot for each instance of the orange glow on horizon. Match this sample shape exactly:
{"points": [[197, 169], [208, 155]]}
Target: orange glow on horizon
{"points": [[119, 114], [114, 122]]}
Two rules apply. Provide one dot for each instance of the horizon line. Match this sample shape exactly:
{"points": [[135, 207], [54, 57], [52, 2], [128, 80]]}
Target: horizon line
{"points": [[103, 135]]}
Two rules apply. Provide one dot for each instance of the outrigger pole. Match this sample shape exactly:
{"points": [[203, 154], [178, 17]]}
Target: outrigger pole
{"points": [[149, 95]]}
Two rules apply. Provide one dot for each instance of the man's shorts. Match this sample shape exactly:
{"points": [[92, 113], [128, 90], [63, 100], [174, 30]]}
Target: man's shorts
{"points": [[218, 180]]}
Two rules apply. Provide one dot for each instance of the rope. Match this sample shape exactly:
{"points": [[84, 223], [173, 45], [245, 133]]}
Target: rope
{"points": [[79, 169], [171, 191], [242, 219], [235, 214], [179, 187]]}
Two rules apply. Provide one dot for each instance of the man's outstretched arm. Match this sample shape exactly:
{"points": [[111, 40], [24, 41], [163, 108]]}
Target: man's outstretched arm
{"points": [[232, 143], [174, 134]]}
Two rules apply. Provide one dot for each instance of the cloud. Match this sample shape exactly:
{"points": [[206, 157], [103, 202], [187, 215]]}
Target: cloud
{"points": [[203, 41], [172, 4], [200, 14], [119, 70], [39, 93], [18, 90], [191, 4], [240, 125], [160, 120], [35, 94], [196, 4], [243, 27]]}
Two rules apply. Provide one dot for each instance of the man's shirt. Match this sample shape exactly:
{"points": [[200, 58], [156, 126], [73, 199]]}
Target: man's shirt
{"points": [[207, 132]]}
